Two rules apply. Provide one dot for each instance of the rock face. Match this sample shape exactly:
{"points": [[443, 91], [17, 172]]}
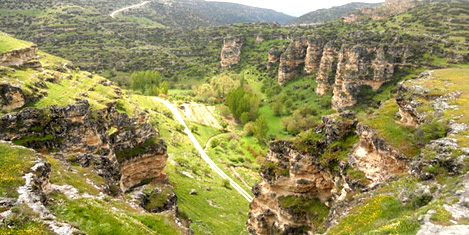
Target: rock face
{"points": [[19, 57], [345, 65], [327, 68], [313, 55], [291, 59], [377, 159], [289, 173], [292, 178], [231, 51], [362, 66], [124, 150]]}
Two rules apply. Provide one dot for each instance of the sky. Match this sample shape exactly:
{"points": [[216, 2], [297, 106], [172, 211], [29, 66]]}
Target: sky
{"points": [[295, 7]]}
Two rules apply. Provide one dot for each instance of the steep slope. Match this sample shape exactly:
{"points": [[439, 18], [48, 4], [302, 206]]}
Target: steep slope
{"points": [[333, 13]]}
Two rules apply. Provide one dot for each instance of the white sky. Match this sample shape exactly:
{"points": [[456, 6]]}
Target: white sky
{"points": [[295, 7]]}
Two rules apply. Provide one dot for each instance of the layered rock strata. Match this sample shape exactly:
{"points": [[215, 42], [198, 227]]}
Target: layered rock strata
{"points": [[124, 150], [373, 156], [231, 51], [20, 57]]}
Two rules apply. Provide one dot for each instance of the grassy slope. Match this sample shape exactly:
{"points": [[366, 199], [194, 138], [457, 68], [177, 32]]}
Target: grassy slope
{"points": [[8, 43], [218, 211]]}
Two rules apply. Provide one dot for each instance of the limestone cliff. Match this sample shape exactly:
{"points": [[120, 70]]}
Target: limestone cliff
{"points": [[373, 156], [231, 51], [327, 68], [363, 66], [20, 57], [288, 174], [125, 150], [291, 59]]}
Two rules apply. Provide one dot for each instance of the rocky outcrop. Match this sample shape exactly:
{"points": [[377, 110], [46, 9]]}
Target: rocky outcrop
{"points": [[377, 159], [327, 68], [314, 54], [20, 57], [11, 97], [231, 51], [122, 149], [362, 67], [294, 180], [274, 55], [287, 173], [291, 60]]}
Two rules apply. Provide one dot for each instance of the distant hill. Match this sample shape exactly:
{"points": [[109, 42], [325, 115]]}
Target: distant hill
{"points": [[228, 13], [334, 13]]}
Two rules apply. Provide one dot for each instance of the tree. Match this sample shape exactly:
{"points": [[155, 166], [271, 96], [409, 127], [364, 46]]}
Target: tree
{"points": [[243, 105], [260, 129]]}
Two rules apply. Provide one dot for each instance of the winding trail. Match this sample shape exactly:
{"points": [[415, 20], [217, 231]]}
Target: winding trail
{"points": [[202, 152], [113, 14]]}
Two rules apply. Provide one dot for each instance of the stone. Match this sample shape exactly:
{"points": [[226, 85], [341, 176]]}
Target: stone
{"points": [[231, 51], [193, 192]]}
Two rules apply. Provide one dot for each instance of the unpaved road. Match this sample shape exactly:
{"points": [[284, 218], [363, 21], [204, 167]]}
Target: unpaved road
{"points": [[129, 7], [204, 155]]}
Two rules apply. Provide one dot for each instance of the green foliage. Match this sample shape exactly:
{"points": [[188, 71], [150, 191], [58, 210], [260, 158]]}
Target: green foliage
{"points": [[260, 129], [149, 83], [302, 119], [129, 153], [23, 221], [243, 105], [93, 216], [430, 131], [312, 208], [226, 184], [14, 163]]}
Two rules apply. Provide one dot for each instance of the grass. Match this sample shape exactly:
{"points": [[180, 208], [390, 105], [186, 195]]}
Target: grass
{"points": [[218, 211], [14, 163], [203, 133], [381, 214], [93, 216], [384, 121], [76, 178], [80, 86], [8, 43]]}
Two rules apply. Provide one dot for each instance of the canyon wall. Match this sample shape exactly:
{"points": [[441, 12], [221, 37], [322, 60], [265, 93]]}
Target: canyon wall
{"points": [[231, 51], [126, 150], [345, 66]]}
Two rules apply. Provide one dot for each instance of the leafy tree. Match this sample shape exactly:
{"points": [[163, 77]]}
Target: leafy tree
{"points": [[243, 105], [260, 129]]}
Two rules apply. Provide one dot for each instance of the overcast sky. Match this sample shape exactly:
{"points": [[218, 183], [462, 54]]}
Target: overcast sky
{"points": [[295, 7]]}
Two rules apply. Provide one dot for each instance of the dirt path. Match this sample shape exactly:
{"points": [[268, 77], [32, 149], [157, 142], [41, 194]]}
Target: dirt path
{"points": [[203, 154], [113, 14]]}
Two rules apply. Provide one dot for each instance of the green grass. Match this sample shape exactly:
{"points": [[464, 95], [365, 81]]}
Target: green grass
{"points": [[203, 133], [80, 86], [380, 214], [274, 122], [8, 43], [384, 121], [219, 211], [113, 216], [76, 178], [14, 163]]}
